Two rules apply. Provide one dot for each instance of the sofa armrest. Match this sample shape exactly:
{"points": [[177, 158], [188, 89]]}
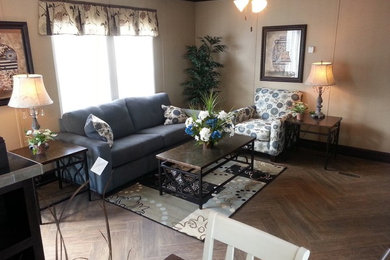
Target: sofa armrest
{"points": [[244, 114], [96, 148]]}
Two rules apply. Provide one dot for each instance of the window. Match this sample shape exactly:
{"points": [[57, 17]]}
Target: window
{"points": [[134, 65], [92, 70]]}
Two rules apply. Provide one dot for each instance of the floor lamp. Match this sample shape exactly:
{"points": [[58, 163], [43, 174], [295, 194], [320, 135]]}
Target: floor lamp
{"points": [[320, 77], [29, 92]]}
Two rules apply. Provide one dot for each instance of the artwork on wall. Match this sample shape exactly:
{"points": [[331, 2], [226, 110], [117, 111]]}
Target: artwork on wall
{"points": [[15, 56], [282, 53]]}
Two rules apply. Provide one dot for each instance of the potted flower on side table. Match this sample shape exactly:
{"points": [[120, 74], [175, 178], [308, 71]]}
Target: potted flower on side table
{"points": [[298, 109], [37, 140]]}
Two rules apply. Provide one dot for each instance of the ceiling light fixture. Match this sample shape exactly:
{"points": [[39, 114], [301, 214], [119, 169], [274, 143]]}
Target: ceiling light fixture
{"points": [[257, 5]]}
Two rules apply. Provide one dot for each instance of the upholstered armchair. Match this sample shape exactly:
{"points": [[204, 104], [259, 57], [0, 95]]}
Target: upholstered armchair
{"points": [[265, 119]]}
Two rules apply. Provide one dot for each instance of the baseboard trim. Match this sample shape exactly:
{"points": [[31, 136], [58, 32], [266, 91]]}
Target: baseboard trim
{"points": [[348, 150]]}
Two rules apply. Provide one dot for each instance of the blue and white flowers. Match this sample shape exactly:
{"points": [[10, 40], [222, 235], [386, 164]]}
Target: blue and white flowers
{"points": [[209, 127]]}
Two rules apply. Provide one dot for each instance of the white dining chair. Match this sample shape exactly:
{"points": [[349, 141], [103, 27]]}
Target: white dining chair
{"points": [[254, 242]]}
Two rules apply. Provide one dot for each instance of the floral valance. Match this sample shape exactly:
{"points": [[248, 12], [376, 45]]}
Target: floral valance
{"points": [[81, 18]]}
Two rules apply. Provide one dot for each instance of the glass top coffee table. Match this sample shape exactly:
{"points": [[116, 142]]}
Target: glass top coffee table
{"points": [[187, 164]]}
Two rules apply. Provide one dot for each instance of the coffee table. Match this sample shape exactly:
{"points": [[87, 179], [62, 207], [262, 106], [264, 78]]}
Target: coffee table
{"points": [[188, 163]]}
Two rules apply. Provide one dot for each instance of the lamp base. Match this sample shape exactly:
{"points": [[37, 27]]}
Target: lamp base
{"points": [[318, 116]]}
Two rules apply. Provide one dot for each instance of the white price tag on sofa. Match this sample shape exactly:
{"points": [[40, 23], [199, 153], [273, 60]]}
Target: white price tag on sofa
{"points": [[99, 166]]}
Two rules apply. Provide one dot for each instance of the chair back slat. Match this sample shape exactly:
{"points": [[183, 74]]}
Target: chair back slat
{"points": [[248, 239], [229, 253], [250, 257]]}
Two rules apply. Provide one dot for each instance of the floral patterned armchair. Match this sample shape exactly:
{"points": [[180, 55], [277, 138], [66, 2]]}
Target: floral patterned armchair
{"points": [[265, 119]]}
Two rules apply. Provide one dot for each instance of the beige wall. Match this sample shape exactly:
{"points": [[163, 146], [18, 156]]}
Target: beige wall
{"points": [[358, 44], [177, 29]]}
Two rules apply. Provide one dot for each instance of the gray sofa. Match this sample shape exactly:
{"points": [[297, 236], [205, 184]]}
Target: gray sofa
{"points": [[139, 134]]}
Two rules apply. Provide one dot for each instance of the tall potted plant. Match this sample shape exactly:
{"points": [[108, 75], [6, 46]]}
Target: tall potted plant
{"points": [[203, 76]]}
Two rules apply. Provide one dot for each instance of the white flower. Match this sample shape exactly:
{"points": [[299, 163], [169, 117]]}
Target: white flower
{"points": [[29, 132], [196, 138], [198, 121], [205, 134], [229, 130], [189, 121], [203, 114], [222, 115]]}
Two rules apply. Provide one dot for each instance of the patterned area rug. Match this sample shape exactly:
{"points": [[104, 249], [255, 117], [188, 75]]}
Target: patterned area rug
{"points": [[185, 216]]}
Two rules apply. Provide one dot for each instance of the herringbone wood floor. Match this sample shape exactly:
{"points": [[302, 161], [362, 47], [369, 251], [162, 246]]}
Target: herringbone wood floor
{"points": [[335, 216]]}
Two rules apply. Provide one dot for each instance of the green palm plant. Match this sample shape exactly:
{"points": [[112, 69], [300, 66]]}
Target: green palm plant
{"points": [[203, 76]]}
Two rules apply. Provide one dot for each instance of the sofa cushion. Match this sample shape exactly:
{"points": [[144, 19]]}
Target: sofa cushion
{"points": [[171, 134], [98, 129], [173, 115], [146, 111], [274, 103], [133, 147], [117, 116], [256, 128], [114, 113]]}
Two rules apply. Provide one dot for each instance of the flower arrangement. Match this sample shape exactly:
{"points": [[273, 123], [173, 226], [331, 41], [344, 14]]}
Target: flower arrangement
{"points": [[37, 139], [210, 126], [298, 107]]}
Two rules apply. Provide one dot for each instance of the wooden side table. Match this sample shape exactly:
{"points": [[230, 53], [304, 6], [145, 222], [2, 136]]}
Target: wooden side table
{"points": [[330, 123], [64, 155]]}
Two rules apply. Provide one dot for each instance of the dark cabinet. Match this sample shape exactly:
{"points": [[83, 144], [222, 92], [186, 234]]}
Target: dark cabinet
{"points": [[20, 236]]}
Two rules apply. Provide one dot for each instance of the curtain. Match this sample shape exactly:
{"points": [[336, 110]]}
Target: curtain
{"points": [[80, 18]]}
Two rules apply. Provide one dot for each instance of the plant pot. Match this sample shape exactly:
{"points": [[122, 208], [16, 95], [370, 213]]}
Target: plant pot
{"points": [[40, 149], [300, 116]]}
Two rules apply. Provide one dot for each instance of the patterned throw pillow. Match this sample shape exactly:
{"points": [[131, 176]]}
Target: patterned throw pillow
{"points": [[98, 129], [173, 115], [244, 114]]}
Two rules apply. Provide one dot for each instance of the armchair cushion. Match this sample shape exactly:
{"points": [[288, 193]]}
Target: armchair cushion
{"points": [[257, 128], [274, 103]]}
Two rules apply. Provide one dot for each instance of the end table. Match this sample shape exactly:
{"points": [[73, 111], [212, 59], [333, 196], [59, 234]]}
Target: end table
{"points": [[63, 155], [330, 123]]}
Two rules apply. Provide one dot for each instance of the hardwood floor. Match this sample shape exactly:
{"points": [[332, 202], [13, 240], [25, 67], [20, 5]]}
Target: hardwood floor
{"points": [[335, 216]]}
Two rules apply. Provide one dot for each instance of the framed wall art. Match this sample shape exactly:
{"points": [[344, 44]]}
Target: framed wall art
{"points": [[282, 53], [15, 56]]}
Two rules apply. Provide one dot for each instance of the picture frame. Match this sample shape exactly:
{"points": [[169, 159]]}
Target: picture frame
{"points": [[15, 56], [283, 53]]}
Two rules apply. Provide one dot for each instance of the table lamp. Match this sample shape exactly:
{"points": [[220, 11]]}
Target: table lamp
{"points": [[29, 92], [320, 77]]}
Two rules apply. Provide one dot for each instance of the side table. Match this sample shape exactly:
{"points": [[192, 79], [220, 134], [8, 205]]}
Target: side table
{"points": [[64, 155], [330, 123]]}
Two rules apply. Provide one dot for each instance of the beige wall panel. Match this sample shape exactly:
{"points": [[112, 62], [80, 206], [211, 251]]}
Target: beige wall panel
{"points": [[357, 42], [176, 20], [221, 18], [362, 66]]}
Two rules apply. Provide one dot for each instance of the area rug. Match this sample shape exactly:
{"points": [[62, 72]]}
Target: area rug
{"points": [[185, 216]]}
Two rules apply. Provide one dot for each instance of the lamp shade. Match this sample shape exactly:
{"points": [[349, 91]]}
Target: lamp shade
{"points": [[28, 92], [321, 74], [241, 4], [258, 5]]}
